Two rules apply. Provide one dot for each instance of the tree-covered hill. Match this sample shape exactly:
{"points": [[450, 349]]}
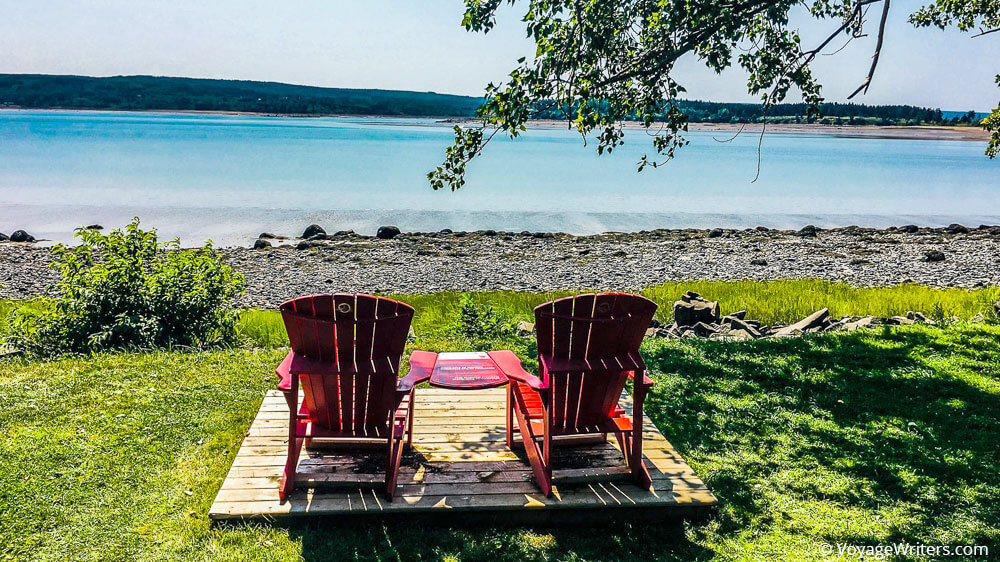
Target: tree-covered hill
{"points": [[137, 93], [154, 92]]}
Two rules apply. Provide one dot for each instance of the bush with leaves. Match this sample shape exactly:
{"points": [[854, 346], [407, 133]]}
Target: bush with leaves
{"points": [[126, 290], [480, 325]]}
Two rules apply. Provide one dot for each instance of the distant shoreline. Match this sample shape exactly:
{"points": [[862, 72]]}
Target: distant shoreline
{"points": [[899, 132]]}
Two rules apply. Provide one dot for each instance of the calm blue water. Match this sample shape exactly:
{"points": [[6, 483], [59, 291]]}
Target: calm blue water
{"points": [[230, 177]]}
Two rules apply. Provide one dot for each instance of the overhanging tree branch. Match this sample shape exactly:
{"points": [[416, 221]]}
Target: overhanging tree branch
{"points": [[878, 51], [604, 62]]}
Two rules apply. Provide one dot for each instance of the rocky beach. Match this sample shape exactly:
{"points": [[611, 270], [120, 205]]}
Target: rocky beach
{"points": [[954, 256]]}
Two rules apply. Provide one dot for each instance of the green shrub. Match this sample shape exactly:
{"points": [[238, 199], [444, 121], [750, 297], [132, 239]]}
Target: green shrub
{"points": [[126, 290], [480, 324]]}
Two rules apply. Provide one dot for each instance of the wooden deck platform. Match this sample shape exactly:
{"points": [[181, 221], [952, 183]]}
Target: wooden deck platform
{"points": [[459, 463]]}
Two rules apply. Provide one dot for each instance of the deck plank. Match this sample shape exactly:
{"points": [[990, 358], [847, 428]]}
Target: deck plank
{"points": [[459, 460]]}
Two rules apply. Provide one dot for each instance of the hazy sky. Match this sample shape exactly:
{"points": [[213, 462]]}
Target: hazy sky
{"points": [[420, 45]]}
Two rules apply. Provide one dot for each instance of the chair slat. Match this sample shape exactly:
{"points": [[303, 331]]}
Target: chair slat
{"points": [[606, 336], [544, 327], [323, 308], [366, 328], [558, 383], [344, 314], [361, 388], [562, 328], [583, 309], [574, 387], [347, 401]]}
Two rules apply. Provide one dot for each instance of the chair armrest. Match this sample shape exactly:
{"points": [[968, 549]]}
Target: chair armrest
{"points": [[284, 373], [421, 368], [510, 366], [645, 380], [630, 361]]}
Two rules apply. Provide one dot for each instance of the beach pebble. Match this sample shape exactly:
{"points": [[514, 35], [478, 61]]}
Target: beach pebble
{"points": [[933, 255]]}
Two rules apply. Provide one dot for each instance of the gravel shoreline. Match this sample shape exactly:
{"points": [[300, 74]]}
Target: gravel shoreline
{"points": [[485, 260]]}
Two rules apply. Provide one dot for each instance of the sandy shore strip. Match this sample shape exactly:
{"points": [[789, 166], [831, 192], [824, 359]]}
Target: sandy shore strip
{"points": [[484, 260], [727, 130], [911, 132]]}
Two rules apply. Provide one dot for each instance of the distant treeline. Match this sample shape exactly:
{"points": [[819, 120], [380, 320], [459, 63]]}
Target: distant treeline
{"points": [[137, 93], [829, 113]]}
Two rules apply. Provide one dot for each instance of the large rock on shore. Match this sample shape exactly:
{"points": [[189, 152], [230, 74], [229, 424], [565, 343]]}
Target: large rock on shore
{"points": [[854, 325], [812, 323], [387, 232], [21, 236], [808, 231], [933, 255], [692, 309], [313, 230], [738, 323], [4, 237]]}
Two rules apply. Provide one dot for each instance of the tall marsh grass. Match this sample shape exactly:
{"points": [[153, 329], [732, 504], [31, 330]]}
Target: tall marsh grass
{"points": [[771, 302]]}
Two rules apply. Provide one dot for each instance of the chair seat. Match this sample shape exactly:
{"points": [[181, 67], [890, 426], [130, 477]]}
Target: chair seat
{"points": [[316, 432], [536, 411], [614, 425], [402, 411]]}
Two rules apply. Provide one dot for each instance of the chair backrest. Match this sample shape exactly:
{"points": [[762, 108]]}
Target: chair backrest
{"points": [[360, 339], [591, 326]]}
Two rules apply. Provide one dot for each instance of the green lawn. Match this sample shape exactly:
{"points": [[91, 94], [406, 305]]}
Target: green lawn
{"points": [[863, 438]]}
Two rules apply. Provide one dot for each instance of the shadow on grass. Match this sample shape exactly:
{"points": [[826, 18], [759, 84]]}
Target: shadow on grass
{"points": [[402, 540], [898, 428]]}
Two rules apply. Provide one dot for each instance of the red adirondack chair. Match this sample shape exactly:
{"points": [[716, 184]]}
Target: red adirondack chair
{"points": [[345, 356], [587, 346]]}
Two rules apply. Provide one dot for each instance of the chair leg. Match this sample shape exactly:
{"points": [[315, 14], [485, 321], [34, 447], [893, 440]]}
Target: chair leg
{"points": [[392, 466], [288, 475], [540, 465], [295, 443], [624, 443], [510, 416], [409, 421], [640, 475]]}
